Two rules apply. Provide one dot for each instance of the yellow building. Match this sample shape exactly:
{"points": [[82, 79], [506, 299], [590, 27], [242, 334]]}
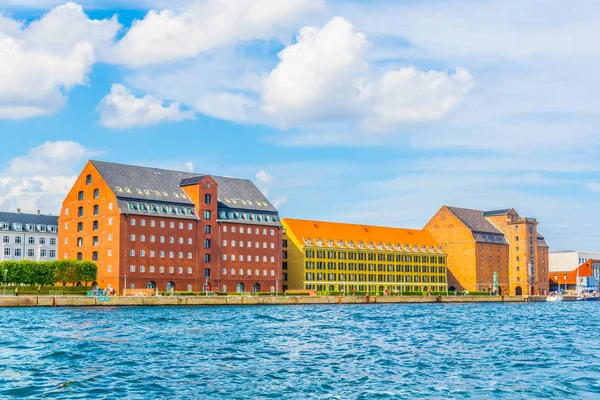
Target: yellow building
{"points": [[337, 257]]}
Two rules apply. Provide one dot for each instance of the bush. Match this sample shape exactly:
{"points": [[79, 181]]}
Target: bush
{"points": [[45, 290], [269, 293], [48, 272]]}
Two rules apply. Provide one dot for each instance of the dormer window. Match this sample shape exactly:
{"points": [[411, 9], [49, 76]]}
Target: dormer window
{"points": [[119, 189], [41, 228], [131, 206], [30, 227], [127, 190], [53, 229], [139, 191], [4, 226], [18, 226]]}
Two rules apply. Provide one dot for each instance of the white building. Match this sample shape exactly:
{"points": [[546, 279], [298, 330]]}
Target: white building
{"points": [[563, 261], [28, 236]]}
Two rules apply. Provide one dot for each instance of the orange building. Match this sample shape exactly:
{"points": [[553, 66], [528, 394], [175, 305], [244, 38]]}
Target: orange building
{"points": [[567, 280], [155, 228], [481, 243]]}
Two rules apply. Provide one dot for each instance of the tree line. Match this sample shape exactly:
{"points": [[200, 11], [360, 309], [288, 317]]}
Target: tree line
{"points": [[48, 272]]}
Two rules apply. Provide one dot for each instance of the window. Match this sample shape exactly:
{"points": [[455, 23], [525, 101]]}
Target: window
{"points": [[162, 239], [80, 196], [109, 221], [132, 237], [171, 239], [142, 268], [232, 271], [190, 227], [161, 270], [152, 253], [80, 227], [7, 251], [152, 269], [110, 253], [80, 211], [143, 222], [152, 238], [224, 257], [66, 226], [95, 256], [224, 228], [272, 273], [142, 253], [189, 256], [132, 222], [207, 199], [95, 241], [96, 193], [171, 225], [5, 239], [207, 243], [207, 214], [180, 270], [161, 254], [110, 206], [180, 240], [272, 245], [43, 253], [96, 209], [30, 253], [32, 240], [132, 268], [171, 254], [18, 240], [142, 238], [171, 270], [190, 241], [208, 229], [207, 258], [180, 255], [181, 225], [162, 224], [66, 211], [88, 180], [79, 242], [272, 259], [272, 232], [110, 237], [152, 223], [132, 253], [264, 231], [224, 242]]}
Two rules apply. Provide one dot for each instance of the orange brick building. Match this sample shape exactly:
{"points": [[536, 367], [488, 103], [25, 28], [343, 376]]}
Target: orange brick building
{"points": [[567, 280], [481, 243], [155, 228]]}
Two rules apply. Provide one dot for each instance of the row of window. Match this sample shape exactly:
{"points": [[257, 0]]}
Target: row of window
{"points": [[161, 270], [30, 240], [396, 288], [240, 271], [350, 255], [161, 254], [96, 210], [247, 258], [321, 265], [159, 208], [245, 216], [161, 239], [312, 276], [162, 224], [17, 226], [248, 244], [248, 230], [30, 252]]}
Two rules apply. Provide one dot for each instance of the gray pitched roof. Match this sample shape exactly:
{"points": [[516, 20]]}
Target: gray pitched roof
{"points": [[496, 212], [12, 218], [151, 184], [483, 230]]}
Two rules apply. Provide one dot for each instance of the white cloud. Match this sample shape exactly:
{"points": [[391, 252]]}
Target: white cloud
{"points": [[41, 179], [167, 36], [263, 178], [325, 76], [189, 166], [593, 186], [121, 109], [42, 61]]}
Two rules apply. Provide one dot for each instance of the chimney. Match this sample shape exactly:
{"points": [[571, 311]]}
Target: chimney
{"points": [[38, 212], [18, 211]]}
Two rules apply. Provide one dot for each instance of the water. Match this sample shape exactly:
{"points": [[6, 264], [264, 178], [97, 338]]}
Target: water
{"points": [[477, 351]]}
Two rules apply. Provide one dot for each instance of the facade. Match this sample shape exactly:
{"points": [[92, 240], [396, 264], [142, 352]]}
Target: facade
{"points": [[28, 236], [481, 243], [330, 256], [566, 280], [561, 261], [155, 228]]}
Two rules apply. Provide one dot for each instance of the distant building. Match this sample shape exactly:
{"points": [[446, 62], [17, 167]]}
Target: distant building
{"points": [[28, 236], [566, 280], [155, 228], [331, 256], [481, 243], [570, 260]]}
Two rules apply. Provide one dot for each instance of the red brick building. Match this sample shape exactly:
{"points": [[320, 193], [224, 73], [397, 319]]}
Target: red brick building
{"points": [[155, 228]]}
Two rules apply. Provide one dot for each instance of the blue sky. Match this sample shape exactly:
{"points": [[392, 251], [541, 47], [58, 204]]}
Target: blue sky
{"points": [[361, 111]]}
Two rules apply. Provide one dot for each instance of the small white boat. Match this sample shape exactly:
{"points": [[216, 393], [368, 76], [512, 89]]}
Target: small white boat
{"points": [[554, 296]]}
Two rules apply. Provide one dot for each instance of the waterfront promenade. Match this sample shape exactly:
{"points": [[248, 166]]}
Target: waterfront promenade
{"points": [[88, 301]]}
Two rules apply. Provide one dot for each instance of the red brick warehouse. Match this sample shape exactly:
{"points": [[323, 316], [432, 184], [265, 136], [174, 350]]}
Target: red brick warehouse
{"points": [[156, 228]]}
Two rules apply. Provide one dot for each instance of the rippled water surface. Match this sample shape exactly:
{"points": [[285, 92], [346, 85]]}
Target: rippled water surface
{"points": [[549, 350]]}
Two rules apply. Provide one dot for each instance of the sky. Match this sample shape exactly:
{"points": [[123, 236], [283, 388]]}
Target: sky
{"points": [[373, 112]]}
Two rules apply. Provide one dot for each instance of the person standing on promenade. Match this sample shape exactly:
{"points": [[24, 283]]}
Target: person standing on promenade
{"points": [[16, 291], [39, 289]]}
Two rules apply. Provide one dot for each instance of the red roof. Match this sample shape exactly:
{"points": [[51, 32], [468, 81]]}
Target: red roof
{"points": [[584, 269]]}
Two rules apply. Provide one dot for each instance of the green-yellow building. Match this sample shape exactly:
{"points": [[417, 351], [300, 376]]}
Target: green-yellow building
{"points": [[338, 257]]}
